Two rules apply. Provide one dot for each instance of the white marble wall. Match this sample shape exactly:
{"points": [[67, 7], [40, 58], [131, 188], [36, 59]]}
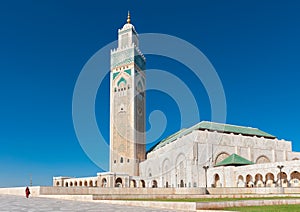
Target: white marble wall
{"points": [[209, 146]]}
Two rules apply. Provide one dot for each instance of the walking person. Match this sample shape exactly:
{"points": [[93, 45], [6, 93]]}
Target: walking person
{"points": [[27, 192]]}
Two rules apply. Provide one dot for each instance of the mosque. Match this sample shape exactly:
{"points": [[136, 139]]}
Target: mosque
{"points": [[205, 155]]}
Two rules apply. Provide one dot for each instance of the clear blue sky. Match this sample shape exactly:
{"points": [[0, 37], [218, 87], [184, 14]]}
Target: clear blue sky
{"points": [[253, 45]]}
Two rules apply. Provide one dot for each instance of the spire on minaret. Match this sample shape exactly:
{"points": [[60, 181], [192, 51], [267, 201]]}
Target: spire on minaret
{"points": [[128, 17]]}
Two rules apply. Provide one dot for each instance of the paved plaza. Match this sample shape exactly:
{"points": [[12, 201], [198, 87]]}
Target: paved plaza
{"points": [[20, 203]]}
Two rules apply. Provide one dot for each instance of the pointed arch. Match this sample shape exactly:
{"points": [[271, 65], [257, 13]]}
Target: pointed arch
{"points": [[262, 159], [118, 182], [122, 80], [270, 180], [154, 184], [217, 182], [259, 180], [180, 169], [221, 156], [295, 179], [132, 183], [142, 184], [104, 183], [249, 181]]}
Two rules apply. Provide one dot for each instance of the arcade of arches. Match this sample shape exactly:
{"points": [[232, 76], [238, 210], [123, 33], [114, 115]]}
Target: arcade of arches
{"points": [[254, 176], [103, 182], [269, 180]]}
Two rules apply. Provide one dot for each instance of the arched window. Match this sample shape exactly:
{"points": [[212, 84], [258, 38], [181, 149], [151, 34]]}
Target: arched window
{"points": [[259, 180], [295, 175], [133, 183], [142, 184], [262, 159], [181, 183], [154, 184], [295, 179], [118, 182], [249, 181], [283, 178], [121, 160], [221, 157], [104, 182], [217, 181], [270, 180]]}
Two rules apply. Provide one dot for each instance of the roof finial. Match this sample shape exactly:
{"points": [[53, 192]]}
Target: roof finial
{"points": [[128, 17]]}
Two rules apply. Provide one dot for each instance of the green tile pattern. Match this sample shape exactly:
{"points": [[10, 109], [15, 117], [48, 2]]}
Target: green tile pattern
{"points": [[128, 71], [115, 75]]}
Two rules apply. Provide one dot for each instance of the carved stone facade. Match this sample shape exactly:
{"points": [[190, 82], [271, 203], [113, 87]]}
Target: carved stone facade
{"points": [[185, 166], [127, 104]]}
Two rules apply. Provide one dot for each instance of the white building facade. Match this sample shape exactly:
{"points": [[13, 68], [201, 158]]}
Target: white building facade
{"points": [[179, 160]]}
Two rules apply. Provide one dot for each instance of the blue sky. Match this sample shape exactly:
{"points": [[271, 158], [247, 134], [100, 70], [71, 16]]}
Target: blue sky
{"points": [[253, 45]]}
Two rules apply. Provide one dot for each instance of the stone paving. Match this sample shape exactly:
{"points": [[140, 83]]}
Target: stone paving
{"points": [[33, 204]]}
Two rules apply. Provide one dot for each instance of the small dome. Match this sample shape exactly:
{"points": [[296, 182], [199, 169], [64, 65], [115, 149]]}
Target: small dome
{"points": [[127, 26]]}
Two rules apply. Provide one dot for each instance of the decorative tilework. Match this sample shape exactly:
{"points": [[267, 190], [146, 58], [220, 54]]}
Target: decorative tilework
{"points": [[128, 71], [115, 75]]}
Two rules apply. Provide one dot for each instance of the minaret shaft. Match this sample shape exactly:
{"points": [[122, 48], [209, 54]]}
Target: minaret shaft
{"points": [[127, 103]]}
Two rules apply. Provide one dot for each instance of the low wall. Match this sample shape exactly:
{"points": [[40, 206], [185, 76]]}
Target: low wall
{"points": [[20, 191], [243, 203], [70, 197], [110, 192], [98, 193], [260, 190], [184, 206], [144, 196]]}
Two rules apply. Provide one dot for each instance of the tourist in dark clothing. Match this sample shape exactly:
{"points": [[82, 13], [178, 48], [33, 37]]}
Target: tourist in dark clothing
{"points": [[27, 192]]}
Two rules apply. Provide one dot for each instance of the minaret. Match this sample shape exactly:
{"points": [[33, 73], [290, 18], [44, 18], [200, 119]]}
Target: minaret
{"points": [[127, 103]]}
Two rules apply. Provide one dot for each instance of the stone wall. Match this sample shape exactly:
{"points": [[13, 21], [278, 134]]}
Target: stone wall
{"points": [[20, 191], [108, 193], [264, 190], [89, 194], [119, 191], [200, 148]]}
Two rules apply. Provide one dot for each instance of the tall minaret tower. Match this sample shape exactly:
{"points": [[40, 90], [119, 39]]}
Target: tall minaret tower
{"points": [[127, 103]]}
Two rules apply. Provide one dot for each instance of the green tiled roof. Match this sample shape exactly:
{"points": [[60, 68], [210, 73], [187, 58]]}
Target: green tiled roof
{"points": [[167, 140], [212, 126], [234, 160], [233, 129]]}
